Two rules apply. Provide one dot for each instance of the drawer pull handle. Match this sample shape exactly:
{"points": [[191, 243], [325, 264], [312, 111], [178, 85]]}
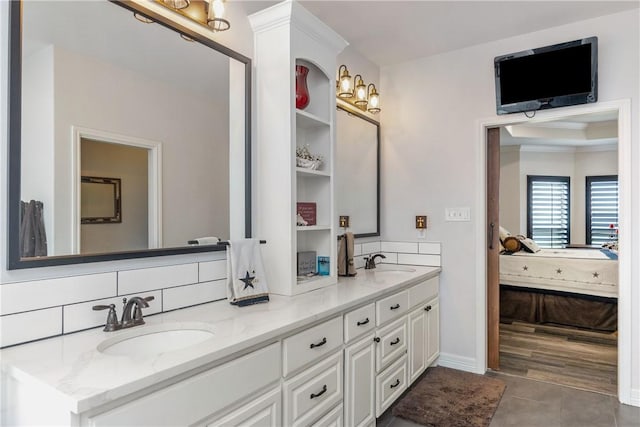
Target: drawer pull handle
{"points": [[397, 383], [397, 340], [364, 322], [377, 339], [394, 307], [320, 393], [427, 308], [320, 344]]}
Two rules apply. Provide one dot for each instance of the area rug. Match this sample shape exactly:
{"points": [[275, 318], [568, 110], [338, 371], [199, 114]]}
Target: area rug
{"points": [[446, 397]]}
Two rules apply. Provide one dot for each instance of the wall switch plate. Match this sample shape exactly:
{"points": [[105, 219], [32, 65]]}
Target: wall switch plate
{"points": [[457, 214]]}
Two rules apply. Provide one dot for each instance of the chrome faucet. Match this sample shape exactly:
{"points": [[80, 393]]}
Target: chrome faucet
{"points": [[370, 261], [128, 311]]}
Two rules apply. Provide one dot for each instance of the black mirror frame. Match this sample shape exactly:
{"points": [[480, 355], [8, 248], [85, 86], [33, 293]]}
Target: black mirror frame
{"points": [[14, 261], [358, 114]]}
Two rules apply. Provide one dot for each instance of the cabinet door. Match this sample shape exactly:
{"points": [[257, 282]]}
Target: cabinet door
{"points": [[359, 388], [266, 411], [433, 331], [418, 330]]}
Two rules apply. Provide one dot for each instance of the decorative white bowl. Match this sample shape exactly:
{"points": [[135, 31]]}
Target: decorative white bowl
{"points": [[308, 164]]}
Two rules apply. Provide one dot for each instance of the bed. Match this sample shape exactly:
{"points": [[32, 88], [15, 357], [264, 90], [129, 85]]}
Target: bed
{"points": [[573, 287]]}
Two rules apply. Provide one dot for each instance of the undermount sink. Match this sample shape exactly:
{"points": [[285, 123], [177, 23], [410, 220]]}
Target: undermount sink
{"points": [[154, 340], [392, 268]]}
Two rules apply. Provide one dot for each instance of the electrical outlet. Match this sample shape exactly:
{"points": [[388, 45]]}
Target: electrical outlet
{"points": [[457, 214]]}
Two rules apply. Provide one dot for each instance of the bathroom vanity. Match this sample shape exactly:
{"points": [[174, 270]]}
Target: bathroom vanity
{"points": [[337, 355]]}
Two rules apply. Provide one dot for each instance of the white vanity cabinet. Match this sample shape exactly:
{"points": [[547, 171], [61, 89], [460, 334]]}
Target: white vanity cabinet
{"points": [[343, 366], [312, 393], [200, 399], [286, 36], [360, 366], [424, 328]]}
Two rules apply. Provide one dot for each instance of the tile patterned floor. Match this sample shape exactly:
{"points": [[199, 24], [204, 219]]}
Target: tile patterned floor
{"points": [[530, 403]]}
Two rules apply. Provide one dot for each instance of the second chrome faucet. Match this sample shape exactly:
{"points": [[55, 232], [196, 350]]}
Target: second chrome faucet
{"points": [[131, 313]]}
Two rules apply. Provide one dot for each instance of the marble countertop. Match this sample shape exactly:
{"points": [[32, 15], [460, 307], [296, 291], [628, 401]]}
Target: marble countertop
{"points": [[84, 378]]}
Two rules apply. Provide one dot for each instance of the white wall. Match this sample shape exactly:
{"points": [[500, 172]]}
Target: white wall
{"points": [[588, 163], [562, 161], [430, 125], [194, 138], [37, 135], [510, 189]]}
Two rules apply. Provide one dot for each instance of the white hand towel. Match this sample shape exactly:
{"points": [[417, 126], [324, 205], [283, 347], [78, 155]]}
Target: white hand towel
{"points": [[246, 281]]}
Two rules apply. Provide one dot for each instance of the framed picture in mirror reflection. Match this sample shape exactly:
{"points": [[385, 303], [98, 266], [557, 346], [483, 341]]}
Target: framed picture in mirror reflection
{"points": [[101, 201]]}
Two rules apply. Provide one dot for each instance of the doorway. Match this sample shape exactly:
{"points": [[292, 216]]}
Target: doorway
{"points": [[99, 152], [488, 350], [558, 186]]}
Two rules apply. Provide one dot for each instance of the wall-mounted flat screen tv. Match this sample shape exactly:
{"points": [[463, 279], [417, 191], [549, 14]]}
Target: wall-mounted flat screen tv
{"points": [[547, 77]]}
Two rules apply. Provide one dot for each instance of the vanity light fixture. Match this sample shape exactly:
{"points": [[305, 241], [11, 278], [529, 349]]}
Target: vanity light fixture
{"points": [[215, 16], [344, 83], [177, 4], [208, 13], [374, 99], [366, 98], [140, 17], [361, 91]]}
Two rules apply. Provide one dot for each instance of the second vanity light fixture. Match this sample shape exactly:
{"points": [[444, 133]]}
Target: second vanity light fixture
{"points": [[357, 93], [209, 13]]}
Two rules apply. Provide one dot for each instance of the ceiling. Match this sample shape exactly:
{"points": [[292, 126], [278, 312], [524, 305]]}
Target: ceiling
{"points": [[586, 131], [390, 32]]}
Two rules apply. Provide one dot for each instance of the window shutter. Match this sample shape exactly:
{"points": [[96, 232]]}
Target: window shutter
{"points": [[602, 209], [548, 213]]}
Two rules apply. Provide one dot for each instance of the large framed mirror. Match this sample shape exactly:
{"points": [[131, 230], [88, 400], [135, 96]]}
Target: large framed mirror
{"points": [[358, 171], [97, 91]]}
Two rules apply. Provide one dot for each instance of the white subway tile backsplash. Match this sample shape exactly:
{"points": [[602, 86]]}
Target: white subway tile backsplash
{"points": [[391, 258], [81, 316], [212, 270], [184, 296], [29, 326], [404, 247], [358, 261], [42, 308], [136, 281], [371, 247], [38, 294], [419, 259], [429, 248], [357, 249]]}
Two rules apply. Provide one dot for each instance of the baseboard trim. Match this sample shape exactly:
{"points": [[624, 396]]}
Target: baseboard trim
{"points": [[635, 397], [453, 361]]}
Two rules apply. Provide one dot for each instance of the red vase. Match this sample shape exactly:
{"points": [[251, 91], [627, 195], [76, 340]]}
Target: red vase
{"points": [[302, 91]]}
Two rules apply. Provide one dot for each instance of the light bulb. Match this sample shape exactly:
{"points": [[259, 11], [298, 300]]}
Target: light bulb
{"points": [[218, 8]]}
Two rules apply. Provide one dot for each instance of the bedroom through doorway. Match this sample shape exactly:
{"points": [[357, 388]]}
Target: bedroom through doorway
{"points": [[558, 274]]}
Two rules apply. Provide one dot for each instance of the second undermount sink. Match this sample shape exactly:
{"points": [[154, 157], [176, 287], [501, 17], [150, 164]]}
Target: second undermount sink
{"points": [[392, 268], [146, 341]]}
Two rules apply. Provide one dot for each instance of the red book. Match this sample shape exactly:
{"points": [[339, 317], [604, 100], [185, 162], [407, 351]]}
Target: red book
{"points": [[307, 211]]}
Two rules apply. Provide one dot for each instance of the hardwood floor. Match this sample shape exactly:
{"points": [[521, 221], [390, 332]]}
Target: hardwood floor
{"points": [[576, 358]]}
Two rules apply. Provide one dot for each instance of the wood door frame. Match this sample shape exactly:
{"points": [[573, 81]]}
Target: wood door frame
{"points": [[625, 332]]}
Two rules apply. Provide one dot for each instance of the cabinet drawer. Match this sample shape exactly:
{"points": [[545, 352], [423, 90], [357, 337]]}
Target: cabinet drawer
{"points": [[264, 411], [359, 321], [313, 392], [391, 342], [311, 344], [332, 419], [423, 291], [391, 307], [390, 385], [201, 395]]}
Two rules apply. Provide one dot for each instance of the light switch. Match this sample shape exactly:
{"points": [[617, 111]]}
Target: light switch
{"points": [[457, 214]]}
